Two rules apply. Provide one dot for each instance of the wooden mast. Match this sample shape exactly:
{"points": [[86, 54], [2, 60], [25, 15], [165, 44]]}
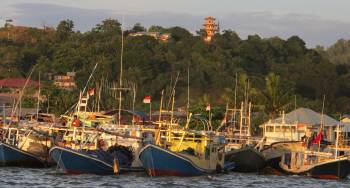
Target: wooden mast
{"points": [[121, 75]]}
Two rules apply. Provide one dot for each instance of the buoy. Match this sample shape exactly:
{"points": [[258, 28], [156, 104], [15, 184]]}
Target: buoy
{"points": [[115, 166]]}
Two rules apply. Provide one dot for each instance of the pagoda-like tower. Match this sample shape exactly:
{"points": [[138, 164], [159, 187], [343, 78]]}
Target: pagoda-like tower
{"points": [[210, 27]]}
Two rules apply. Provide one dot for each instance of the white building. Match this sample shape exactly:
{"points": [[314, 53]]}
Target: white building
{"points": [[295, 124]]}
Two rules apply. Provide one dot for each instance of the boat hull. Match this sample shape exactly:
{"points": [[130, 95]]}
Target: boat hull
{"points": [[333, 170], [161, 162], [273, 154], [78, 162], [246, 159], [12, 156]]}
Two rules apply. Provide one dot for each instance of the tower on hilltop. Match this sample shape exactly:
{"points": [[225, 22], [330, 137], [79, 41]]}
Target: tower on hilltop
{"points": [[210, 27]]}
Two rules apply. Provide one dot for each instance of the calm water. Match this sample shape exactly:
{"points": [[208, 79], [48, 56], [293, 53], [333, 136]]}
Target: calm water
{"points": [[18, 177]]}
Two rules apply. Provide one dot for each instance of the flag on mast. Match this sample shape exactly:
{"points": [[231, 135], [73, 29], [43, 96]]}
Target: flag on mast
{"points": [[91, 91], [207, 108], [147, 99], [318, 138]]}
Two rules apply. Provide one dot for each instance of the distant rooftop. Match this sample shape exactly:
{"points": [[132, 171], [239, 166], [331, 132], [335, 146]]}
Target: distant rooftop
{"points": [[17, 83]]}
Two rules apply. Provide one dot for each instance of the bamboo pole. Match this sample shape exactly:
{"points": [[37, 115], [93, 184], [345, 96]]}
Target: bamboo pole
{"points": [[159, 119]]}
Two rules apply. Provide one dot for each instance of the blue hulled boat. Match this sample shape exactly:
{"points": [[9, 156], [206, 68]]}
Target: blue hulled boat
{"points": [[82, 161], [13, 156], [162, 162], [184, 153]]}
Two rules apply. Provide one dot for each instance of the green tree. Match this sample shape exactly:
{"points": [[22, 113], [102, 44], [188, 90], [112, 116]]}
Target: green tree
{"points": [[276, 97], [64, 29]]}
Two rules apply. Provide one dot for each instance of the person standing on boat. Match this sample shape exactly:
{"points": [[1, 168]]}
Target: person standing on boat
{"points": [[76, 122]]}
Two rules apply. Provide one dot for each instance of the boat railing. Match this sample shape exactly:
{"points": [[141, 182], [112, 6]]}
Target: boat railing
{"points": [[187, 138], [243, 139]]}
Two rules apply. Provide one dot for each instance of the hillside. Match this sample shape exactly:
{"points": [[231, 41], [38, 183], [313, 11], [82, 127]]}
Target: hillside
{"points": [[279, 71]]}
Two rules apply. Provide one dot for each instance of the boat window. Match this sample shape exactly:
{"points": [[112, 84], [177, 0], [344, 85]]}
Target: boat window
{"points": [[207, 151], [294, 129], [278, 129], [286, 129], [269, 128]]}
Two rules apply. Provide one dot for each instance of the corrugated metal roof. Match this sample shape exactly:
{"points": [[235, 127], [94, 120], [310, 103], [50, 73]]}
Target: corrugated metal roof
{"points": [[306, 116]]}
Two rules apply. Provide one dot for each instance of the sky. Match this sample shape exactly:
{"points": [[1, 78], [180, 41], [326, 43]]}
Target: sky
{"points": [[318, 22]]}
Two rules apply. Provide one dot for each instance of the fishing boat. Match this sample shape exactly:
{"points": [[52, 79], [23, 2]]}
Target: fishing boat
{"points": [[22, 145], [241, 148], [316, 164], [85, 148], [191, 155], [24, 148], [246, 159], [94, 143], [181, 152], [82, 151], [293, 131], [273, 153], [324, 162]]}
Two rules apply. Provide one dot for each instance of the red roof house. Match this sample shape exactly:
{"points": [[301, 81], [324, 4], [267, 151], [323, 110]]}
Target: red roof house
{"points": [[17, 83]]}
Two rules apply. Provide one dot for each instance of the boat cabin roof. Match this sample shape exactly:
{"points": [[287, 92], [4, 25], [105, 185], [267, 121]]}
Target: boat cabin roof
{"points": [[303, 116]]}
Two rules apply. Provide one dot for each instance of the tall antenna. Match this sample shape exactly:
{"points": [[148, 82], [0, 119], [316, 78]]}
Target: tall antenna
{"points": [[121, 73]]}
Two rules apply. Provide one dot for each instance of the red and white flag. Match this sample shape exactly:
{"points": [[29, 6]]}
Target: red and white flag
{"points": [[207, 108], [147, 99], [91, 91]]}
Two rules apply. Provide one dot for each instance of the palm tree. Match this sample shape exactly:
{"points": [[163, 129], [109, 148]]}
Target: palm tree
{"points": [[276, 97]]}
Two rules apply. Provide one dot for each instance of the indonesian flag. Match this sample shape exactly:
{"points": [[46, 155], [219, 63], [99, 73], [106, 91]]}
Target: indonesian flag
{"points": [[147, 99], [91, 91], [207, 108]]}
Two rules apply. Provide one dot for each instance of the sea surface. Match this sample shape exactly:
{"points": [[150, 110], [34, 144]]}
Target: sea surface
{"points": [[20, 177]]}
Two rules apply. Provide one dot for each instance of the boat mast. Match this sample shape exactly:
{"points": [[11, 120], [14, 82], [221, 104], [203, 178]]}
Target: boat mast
{"points": [[188, 89], [121, 75], [321, 129], [172, 109], [159, 120], [337, 142], [18, 103], [235, 104], [38, 102]]}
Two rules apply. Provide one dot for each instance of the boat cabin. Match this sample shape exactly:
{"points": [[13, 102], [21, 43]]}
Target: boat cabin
{"points": [[297, 124]]}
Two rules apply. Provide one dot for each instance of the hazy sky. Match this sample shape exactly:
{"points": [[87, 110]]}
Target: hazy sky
{"points": [[316, 21]]}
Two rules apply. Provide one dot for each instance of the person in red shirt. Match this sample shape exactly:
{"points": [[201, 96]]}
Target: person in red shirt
{"points": [[76, 122]]}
